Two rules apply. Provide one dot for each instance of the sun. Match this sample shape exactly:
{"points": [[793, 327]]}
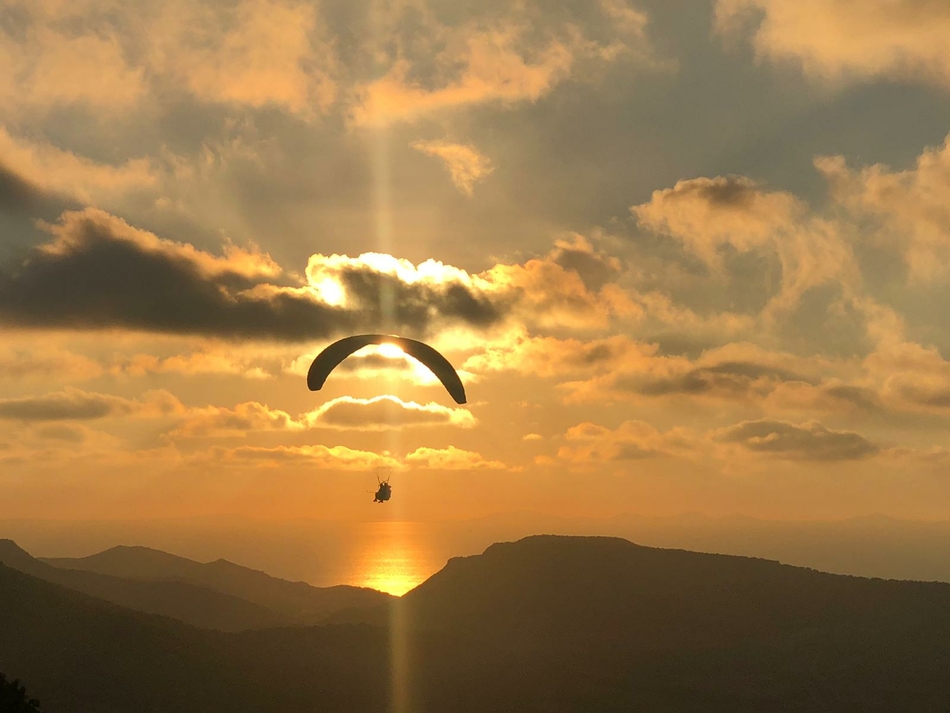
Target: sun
{"points": [[390, 351]]}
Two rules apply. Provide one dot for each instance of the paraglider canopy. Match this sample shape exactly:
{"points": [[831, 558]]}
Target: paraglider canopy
{"points": [[330, 357]]}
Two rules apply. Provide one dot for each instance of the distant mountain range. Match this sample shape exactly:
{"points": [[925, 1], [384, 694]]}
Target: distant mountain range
{"points": [[543, 624], [218, 595], [323, 552]]}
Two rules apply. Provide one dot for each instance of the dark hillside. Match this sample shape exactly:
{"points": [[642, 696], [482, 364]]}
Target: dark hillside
{"points": [[549, 624], [296, 602], [186, 602]]}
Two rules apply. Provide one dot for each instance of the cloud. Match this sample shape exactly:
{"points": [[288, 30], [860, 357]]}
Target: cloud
{"points": [[250, 53], [451, 458], [48, 65], [40, 168], [384, 289], [73, 404], [571, 287], [809, 441], [911, 377], [620, 367], [47, 363], [384, 413], [17, 193], [243, 419], [99, 272], [845, 41], [632, 440], [568, 287], [333, 458], [255, 53], [494, 71], [206, 362], [707, 213], [466, 165], [910, 209], [63, 432], [709, 216], [481, 57], [551, 356]]}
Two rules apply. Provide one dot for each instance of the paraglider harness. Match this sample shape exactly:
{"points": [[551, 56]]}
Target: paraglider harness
{"points": [[385, 491]]}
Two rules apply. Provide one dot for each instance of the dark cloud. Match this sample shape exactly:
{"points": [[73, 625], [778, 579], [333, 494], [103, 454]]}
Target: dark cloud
{"points": [[384, 299], [806, 441], [633, 451], [62, 432], [17, 194], [933, 397], [594, 269], [736, 192], [94, 278], [71, 405], [858, 396], [730, 378]]}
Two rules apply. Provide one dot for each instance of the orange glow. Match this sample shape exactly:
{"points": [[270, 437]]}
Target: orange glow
{"points": [[394, 559]]}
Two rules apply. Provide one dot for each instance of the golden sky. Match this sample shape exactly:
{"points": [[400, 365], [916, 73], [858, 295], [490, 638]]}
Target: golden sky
{"points": [[683, 260]]}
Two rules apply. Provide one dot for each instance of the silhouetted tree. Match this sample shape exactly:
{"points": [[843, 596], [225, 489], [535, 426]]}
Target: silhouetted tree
{"points": [[13, 697]]}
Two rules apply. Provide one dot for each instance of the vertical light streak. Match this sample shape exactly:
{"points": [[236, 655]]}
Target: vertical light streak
{"points": [[382, 178]]}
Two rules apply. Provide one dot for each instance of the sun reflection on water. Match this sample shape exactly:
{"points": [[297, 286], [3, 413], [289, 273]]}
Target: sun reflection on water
{"points": [[394, 559]]}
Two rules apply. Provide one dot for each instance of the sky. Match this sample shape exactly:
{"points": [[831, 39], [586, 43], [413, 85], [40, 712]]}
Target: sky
{"points": [[686, 257]]}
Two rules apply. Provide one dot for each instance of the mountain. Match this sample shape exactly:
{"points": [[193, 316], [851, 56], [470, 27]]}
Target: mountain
{"points": [[543, 624], [79, 654], [609, 625], [180, 600], [295, 602]]}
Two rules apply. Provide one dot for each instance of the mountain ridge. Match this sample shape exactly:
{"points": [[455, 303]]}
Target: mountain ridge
{"points": [[546, 623]]}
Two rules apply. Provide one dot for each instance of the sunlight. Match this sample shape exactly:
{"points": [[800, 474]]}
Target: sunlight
{"points": [[331, 292], [390, 351], [395, 563]]}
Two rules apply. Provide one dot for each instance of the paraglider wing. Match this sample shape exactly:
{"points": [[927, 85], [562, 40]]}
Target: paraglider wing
{"points": [[330, 357]]}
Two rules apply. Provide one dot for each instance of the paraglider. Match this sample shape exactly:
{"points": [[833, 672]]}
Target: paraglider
{"points": [[385, 491], [329, 358]]}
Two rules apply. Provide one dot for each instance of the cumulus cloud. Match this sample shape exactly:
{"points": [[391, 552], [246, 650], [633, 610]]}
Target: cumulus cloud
{"points": [[100, 272], [466, 165], [451, 458], [710, 215], [840, 40], [911, 207], [568, 287], [805, 441], [384, 413]]}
